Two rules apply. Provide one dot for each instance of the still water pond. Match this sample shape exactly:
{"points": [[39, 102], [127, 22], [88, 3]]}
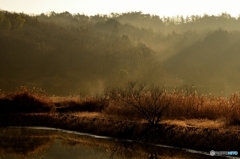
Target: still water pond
{"points": [[44, 143]]}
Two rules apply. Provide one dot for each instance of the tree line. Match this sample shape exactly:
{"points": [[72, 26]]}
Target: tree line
{"points": [[74, 53]]}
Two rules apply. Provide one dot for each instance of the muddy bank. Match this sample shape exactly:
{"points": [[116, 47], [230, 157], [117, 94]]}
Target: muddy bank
{"points": [[204, 139]]}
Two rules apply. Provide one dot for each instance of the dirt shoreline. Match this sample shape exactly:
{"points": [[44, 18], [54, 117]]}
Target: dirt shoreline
{"points": [[203, 139]]}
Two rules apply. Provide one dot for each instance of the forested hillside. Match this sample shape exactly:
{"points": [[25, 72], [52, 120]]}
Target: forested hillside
{"points": [[64, 53]]}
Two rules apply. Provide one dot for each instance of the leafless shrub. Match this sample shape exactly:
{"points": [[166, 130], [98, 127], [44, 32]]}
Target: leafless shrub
{"points": [[148, 103]]}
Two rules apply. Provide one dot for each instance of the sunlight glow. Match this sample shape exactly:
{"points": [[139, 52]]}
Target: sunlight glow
{"points": [[157, 7]]}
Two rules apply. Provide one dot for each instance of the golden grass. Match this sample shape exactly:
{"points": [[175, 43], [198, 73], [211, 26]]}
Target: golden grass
{"points": [[182, 105], [213, 111], [88, 114], [26, 100], [75, 98], [203, 123]]}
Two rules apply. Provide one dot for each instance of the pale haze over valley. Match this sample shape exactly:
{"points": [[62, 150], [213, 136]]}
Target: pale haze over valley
{"points": [[92, 7]]}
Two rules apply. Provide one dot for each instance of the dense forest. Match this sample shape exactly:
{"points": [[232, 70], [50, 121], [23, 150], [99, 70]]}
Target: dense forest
{"points": [[65, 53]]}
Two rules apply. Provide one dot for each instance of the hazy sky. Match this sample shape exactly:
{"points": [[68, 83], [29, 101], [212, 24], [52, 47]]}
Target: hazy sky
{"points": [[92, 7]]}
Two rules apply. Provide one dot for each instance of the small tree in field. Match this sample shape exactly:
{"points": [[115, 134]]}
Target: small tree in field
{"points": [[149, 104]]}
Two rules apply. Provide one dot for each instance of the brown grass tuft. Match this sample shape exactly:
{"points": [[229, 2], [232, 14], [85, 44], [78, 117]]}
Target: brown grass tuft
{"points": [[26, 100]]}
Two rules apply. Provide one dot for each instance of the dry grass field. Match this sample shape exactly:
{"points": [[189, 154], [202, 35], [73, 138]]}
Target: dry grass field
{"points": [[179, 107]]}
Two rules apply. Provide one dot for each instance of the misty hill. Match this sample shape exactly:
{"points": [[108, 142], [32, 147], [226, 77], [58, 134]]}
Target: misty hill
{"points": [[64, 53], [63, 59], [211, 64]]}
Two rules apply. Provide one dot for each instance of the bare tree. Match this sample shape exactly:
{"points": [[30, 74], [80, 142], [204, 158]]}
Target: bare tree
{"points": [[149, 104]]}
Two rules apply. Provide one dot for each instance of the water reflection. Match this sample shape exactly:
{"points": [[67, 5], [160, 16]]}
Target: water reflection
{"points": [[144, 151], [32, 143], [22, 142]]}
